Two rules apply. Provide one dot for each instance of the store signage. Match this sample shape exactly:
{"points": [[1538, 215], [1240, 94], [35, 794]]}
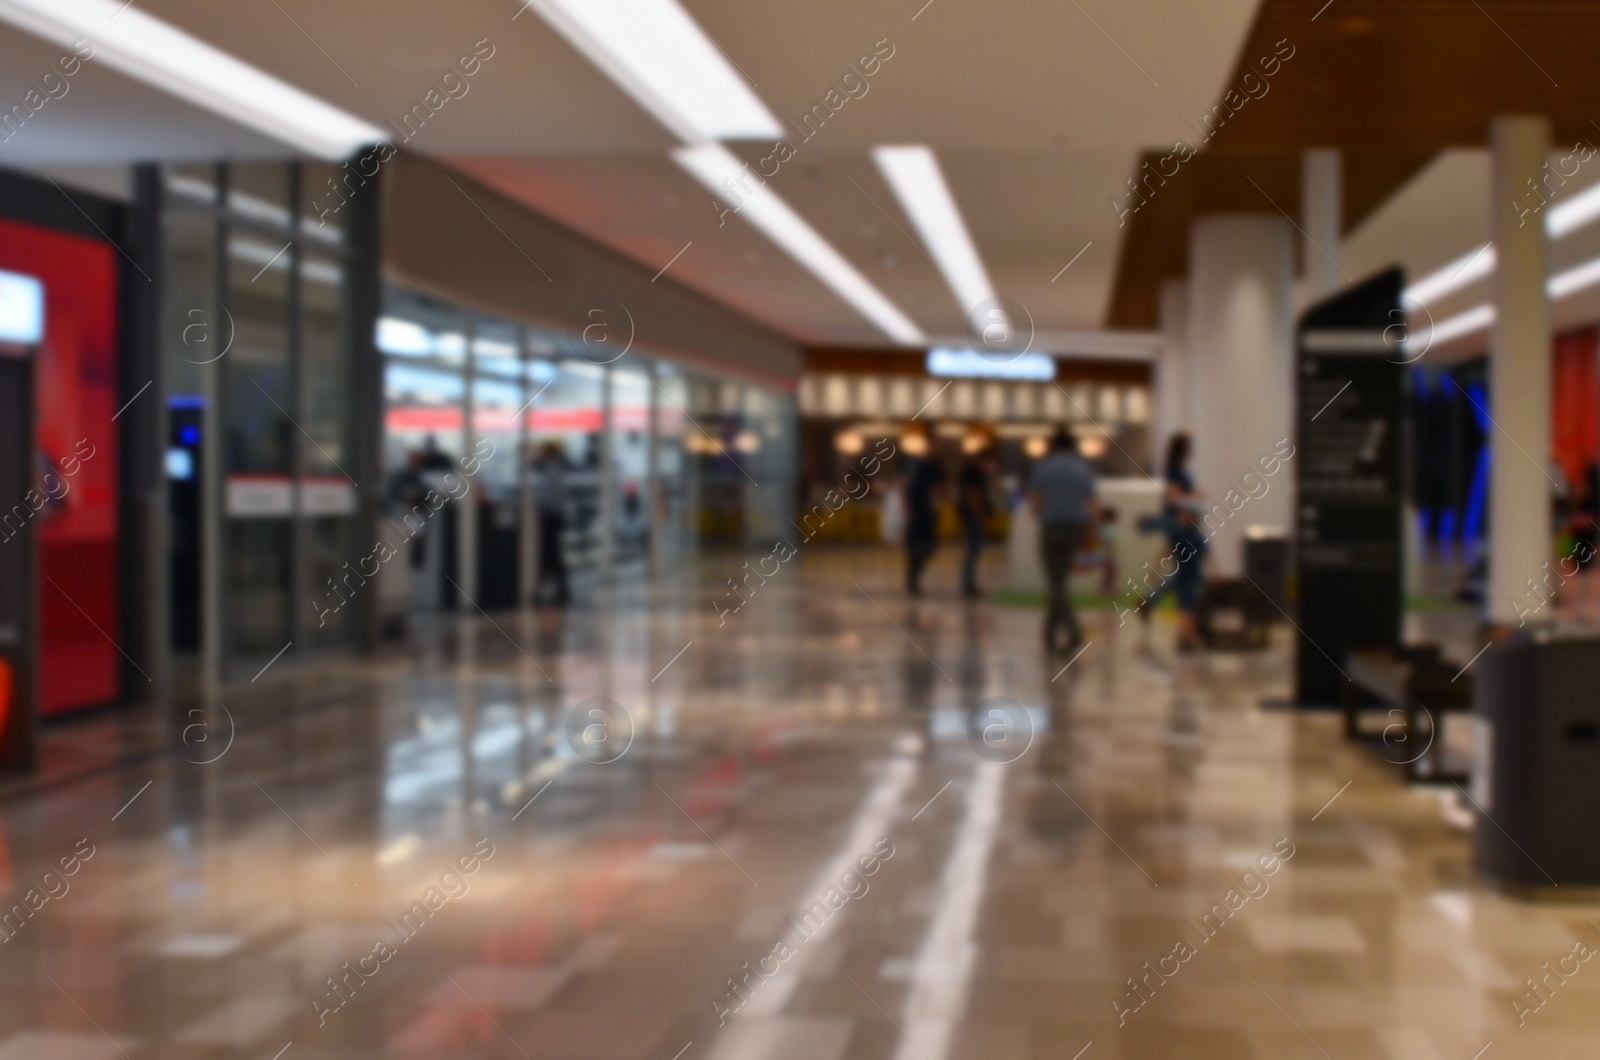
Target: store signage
{"points": [[274, 496], [970, 364], [260, 496], [327, 496], [1349, 541], [21, 309]]}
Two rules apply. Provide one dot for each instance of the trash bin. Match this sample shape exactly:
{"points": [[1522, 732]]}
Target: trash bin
{"points": [[1266, 562], [1537, 774]]}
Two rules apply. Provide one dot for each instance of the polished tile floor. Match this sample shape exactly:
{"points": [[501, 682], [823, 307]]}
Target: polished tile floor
{"points": [[831, 824]]}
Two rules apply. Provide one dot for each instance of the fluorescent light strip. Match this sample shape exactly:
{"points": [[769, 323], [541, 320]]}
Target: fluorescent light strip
{"points": [[715, 167], [1562, 220], [161, 55], [658, 54], [661, 57], [1468, 268], [1574, 279], [1475, 319], [913, 172], [1567, 217], [1561, 285]]}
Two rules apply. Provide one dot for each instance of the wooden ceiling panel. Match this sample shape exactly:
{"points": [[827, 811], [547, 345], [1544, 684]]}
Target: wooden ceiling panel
{"points": [[1390, 84]]}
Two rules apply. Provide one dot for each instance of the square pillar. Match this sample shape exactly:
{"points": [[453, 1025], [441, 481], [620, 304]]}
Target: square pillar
{"points": [[1519, 370]]}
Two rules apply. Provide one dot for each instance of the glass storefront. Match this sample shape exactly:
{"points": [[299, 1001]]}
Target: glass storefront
{"points": [[258, 376], [655, 458]]}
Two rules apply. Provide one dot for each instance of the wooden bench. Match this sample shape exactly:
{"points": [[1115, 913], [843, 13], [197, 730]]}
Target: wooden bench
{"points": [[1414, 683]]}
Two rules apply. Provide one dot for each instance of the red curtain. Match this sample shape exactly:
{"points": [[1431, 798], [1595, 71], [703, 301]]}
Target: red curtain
{"points": [[1575, 405]]}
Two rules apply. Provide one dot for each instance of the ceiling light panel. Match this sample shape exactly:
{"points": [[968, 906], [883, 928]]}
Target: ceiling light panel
{"points": [[913, 173], [152, 51], [661, 57], [716, 168]]}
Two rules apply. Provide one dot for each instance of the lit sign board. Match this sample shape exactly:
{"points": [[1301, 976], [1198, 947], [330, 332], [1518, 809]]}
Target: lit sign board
{"points": [[970, 364], [21, 309]]}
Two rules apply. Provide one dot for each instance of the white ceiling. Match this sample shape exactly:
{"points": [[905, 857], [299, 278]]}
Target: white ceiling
{"points": [[1037, 112], [105, 118]]}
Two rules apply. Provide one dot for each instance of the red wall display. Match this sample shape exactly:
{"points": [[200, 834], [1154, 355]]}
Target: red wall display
{"points": [[1575, 409], [76, 397]]}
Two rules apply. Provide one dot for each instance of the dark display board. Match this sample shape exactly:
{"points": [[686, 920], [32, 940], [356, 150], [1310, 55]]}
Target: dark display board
{"points": [[1349, 536]]}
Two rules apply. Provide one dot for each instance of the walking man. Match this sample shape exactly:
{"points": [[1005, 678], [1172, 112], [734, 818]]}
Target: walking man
{"points": [[924, 482], [1061, 490]]}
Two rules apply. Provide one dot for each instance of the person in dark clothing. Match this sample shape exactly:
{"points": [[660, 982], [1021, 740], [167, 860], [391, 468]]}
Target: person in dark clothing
{"points": [[924, 481], [550, 502], [974, 506], [1186, 541], [434, 458], [406, 492], [1061, 490]]}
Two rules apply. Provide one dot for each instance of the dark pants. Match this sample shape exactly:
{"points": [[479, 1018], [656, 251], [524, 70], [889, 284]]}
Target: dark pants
{"points": [[1057, 543], [919, 548], [552, 563], [1188, 581], [969, 571]]}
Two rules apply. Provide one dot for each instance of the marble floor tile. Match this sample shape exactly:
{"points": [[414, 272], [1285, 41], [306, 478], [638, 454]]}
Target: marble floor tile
{"points": [[820, 759]]}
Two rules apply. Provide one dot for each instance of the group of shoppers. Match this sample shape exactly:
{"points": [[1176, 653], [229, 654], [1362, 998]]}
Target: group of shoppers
{"points": [[1061, 493], [924, 480]]}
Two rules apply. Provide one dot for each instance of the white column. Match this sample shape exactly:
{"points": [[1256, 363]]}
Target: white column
{"points": [[1172, 368], [1321, 221], [1241, 302], [1519, 369]]}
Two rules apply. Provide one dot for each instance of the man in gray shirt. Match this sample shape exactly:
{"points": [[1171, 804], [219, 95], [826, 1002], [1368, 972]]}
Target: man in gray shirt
{"points": [[1061, 489]]}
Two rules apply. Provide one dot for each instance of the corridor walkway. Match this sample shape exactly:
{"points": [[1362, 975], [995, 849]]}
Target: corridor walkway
{"points": [[829, 824]]}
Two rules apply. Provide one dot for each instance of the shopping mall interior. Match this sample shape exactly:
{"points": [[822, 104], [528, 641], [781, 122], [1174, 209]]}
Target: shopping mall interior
{"points": [[825, 531]]}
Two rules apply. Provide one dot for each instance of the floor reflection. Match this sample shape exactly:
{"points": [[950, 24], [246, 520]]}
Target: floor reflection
{"points": [[1055, 825]]}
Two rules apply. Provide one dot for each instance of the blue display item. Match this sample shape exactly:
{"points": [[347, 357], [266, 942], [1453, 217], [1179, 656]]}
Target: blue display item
{"points": [[1478, 496], [180, 464], [1447, 524]]}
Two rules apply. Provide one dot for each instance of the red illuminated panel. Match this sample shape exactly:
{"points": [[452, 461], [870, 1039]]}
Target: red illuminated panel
{"points": [[75, 398], [1575, 402]]}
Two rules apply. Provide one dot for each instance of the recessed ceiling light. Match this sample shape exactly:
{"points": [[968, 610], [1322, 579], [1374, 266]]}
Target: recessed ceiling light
{"points": [[656, 52], [715, 166], [913, 172], [161, 55]]}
